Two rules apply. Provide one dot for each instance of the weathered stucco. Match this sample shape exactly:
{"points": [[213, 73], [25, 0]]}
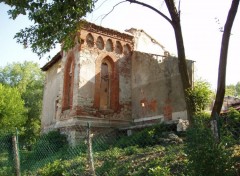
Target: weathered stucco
{"points": [[145, 43], [157, 88], [81, 67], [112, 80], [51, 96]]}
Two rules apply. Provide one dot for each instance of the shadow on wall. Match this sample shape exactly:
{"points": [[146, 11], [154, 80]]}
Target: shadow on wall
{"points": [[106, 95]]}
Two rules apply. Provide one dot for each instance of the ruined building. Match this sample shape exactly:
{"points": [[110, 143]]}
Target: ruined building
{"points": [[112, 80]]}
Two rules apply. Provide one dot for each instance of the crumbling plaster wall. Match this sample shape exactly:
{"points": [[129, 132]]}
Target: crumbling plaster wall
{"points": [[89, 68], [157, 88], [148, 86], [67, 55], [145, 43], [51, 96], [87, 62]]}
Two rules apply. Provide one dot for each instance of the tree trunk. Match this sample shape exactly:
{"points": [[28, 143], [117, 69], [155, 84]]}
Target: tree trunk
{"points": [[175, 22], [223, 59], [181, 54]]}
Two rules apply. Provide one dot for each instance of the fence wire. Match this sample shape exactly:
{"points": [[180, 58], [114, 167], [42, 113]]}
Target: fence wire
{"points": [[158, 150]]}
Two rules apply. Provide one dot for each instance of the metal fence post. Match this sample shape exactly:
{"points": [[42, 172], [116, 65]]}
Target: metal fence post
{"points": [[16, 154]]}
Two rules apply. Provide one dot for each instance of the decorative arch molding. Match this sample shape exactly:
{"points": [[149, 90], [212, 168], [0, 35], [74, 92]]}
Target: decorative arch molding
{"points": [[109, 45], [68, 85], [106, 95], [127, 50], [118, 47], [90, 40], [100, 43]]}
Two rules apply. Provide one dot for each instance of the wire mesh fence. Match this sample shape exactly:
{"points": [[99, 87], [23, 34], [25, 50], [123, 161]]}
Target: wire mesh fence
{"points": [[6, 155], [155, 150]]}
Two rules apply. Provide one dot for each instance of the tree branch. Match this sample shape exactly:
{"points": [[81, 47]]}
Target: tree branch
{"points": [[111, 10], [152, 8]]}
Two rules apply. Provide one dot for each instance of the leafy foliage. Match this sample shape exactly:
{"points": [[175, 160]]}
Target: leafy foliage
{"points": [[48, 148], [55, 21], [199, 155], [21, 75], [207, 156], [232, 122], [200, 95], [230, 90], [64, 167], [27, 78], [159, 171], [50, 143], [238, 88], [233, 90], [147, 137], [12, 111]]}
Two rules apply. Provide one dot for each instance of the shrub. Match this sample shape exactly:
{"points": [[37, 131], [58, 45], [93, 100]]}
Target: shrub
{"points": [[50, 143], [63, 168], [159, 171], [147, 137], [200, 96], [205, 155], [45, 150], [232, 122]]}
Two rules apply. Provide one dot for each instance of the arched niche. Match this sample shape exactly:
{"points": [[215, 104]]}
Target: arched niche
{"points": [[109, 45], [106, 84], [100, 43], [68, 84], [126, 50], [90, 40], [118, 47]]}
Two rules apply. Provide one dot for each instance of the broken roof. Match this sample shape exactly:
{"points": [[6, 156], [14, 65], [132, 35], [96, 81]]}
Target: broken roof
{"points": [[55, 59]]}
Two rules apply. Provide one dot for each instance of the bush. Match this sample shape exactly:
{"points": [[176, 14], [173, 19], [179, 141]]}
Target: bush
{"points": [[159, 171], [200, 96], [232, 122], [147, 137], [46, 149], [50, 143], [205, 155], [63, 168]]}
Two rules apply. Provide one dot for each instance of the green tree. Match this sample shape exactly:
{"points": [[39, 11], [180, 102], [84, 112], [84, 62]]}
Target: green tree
{"points": [[223, 58], [201, 95], [230, 90], [238, 89], [12, 110], [28, 79], [49, 29], [205, 155], [175, 21], [55, 21]]}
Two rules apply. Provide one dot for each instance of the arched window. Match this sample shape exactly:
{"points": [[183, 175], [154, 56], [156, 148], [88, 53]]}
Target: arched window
{"points": [[68, 84]]}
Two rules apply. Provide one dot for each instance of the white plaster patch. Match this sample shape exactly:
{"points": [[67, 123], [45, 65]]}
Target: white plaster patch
{"points": [[179, 115], [87, 74]]}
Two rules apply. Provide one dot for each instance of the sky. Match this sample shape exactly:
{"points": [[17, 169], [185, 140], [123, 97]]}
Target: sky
{"points": [[200, 21]]}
